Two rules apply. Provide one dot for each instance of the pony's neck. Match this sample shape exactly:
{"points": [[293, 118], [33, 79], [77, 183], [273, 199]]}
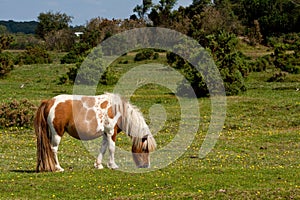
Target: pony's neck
{"points": [[132, 121]]}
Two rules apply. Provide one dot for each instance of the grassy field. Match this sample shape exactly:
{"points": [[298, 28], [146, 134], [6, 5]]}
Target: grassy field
{"points": [[256, 156]]}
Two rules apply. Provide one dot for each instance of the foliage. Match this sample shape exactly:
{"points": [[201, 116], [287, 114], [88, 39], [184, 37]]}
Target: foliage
{"points": [[35, 55], [6, 59], [232, 65], [161, 13], [141, 10], [17, 114], [5, 41], [51, 22], [6, 63], [99, 29], [20, 27], [289, 39], [61, 40], [77, 54], [278, 77], [22, 41], [274, 16], [262, 63], [288, 62], [146, 54], [88, 71]]}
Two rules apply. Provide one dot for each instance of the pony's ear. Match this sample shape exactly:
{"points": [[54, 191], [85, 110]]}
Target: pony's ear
{"points": [[149, 143], [145, 144]]}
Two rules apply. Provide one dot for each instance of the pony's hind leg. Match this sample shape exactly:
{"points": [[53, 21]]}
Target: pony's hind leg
{"points": [[98, 163], [55, 140]]}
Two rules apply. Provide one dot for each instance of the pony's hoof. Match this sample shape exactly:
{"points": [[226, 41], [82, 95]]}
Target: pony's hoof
{"points": [[112, 166], [98, 166], [59, 169]]}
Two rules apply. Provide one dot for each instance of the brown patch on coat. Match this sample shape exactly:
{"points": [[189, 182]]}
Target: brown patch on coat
{"points": [[70, 116], [103, 105], [89, 101], [110, 113], [114, 137], [50, 103]]}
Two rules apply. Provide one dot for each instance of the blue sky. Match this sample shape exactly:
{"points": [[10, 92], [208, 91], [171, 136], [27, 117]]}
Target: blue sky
{"points": [[81, 10]]}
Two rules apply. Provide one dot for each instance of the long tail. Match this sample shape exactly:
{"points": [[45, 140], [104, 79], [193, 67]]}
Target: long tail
{"points": [[45, 156]]}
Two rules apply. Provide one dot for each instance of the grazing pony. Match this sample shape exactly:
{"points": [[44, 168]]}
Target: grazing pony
{"points": [[87, 118]]}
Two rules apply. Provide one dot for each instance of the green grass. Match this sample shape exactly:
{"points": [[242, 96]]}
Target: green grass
{"points": [[256, 156]]}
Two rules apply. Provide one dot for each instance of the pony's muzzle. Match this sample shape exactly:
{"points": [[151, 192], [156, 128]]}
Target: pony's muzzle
{"points": [[144, 166]]}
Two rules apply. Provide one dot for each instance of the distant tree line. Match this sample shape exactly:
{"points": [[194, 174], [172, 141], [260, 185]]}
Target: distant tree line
{"points": [[20, 27]]}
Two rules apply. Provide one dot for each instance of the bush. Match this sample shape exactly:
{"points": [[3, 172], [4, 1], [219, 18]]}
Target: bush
{"points": [[35, 55], [262, 63], [231, 64], [146, 54], [86, 72], [6, 63], [17, 114], [278, 77], [77, 54], [288, 62]]}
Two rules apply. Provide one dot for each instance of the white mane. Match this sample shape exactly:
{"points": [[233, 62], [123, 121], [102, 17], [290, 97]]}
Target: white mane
{"points": [[132, 122]]}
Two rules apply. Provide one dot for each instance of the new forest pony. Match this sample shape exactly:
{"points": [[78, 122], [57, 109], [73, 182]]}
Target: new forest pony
{"points": [[87, 118]]}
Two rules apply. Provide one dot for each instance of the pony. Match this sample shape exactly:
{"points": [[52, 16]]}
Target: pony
{"points": [[87, 118]]}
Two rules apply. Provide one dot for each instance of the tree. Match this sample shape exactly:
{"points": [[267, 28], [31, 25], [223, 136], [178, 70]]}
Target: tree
{"points": [[141, 10], [161, 14], [51, 22], [61, 40], [274, 16]]}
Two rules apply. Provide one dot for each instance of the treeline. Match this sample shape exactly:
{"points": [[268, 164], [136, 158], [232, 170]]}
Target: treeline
{"points": [[18, 27]]}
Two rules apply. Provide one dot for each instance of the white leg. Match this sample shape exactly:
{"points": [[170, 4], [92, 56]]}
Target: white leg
{"points": [[98, 163], [111, 146], [54, 143]]}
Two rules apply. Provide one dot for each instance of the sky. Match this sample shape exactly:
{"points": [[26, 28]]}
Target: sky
{"points": [[81, 10]]}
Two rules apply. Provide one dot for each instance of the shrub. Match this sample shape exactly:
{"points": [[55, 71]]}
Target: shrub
{"points": [[16, 113], [288, 62], [86, 72], [77, 54], [6, 63], [231, 64], [35, 55], [278, 77], [146, 54], [262, 63]]}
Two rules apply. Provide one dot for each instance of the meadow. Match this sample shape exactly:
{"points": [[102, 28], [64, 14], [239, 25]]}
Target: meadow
{"points": [[256, 156]]}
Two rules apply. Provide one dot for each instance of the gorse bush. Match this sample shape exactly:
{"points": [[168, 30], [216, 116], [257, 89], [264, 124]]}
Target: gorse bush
{"points": [[6, 59], [6, 63], [35, 55], [17, 114]]}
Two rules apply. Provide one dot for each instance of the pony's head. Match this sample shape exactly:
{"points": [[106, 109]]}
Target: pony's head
{"points": [[131, 121], [141, 147]]}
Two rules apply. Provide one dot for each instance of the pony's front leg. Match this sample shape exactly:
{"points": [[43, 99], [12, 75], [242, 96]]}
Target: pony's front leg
{"points": [[112, 146], [98, 163]]}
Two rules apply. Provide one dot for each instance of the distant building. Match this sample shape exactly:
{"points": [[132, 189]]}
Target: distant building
{"points": [[78, 33]]}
